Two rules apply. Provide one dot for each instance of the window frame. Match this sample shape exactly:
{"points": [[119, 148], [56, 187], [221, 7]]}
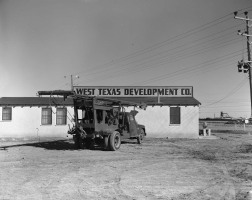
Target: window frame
{"points": [[175, 116], [45, 117], [61, 119], [6, 116]]}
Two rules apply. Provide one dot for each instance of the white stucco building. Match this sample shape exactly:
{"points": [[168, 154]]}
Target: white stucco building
{"points": [[25, 117], [157, 120], [171, 115]]}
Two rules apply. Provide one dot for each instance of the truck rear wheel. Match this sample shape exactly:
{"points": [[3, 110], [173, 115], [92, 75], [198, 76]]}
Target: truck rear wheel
{"points": [[78, 142], [81, 144], [114, 141]]}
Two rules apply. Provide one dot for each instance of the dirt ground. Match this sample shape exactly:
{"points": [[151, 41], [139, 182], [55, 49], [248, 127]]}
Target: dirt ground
{"points": [[157, 169]]}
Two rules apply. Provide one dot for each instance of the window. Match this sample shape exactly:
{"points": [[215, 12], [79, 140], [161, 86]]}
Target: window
{"points": [[61, 116], [174, 115], [46, 116], [7, 113]]}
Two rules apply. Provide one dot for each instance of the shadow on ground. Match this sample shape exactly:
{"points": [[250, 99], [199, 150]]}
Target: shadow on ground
{"points": [[57, 145], [61, 145], [49, 145], [129, 142]]}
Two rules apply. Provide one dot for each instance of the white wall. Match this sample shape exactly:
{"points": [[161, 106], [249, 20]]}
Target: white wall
{"points": [[26, 122], [157, 122]]}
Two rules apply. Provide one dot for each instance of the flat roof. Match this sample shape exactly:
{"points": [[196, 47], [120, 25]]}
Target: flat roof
{"points": [[35, 101], [53, 101], [170, 101]]}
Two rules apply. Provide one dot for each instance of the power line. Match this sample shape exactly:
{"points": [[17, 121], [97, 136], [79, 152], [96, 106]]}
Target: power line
{"points": [[194, 67], [159, 57], [194, 43], [238, 111], [171, 39], [233, 91], [228, 102], [162, 61], [190, 32], [158, 45], [159, 62]]}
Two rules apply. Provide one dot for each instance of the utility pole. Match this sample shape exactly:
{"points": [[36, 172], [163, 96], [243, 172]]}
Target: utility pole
{"points": [[246, 66], [71, 76], [72, 82]]}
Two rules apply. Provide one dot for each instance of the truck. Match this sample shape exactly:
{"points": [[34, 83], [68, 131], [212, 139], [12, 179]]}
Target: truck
{"points": [[101, 121]]}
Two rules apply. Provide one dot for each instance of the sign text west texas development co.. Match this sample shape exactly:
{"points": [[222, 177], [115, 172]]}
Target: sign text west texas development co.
{"points": [[127, 91]]}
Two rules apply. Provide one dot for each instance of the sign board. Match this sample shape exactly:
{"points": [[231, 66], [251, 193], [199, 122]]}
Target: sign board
{"points": [[135, 91]]}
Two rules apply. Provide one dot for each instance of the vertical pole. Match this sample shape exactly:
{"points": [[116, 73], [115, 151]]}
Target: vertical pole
{"points": [[72, 82], [249, 59]]}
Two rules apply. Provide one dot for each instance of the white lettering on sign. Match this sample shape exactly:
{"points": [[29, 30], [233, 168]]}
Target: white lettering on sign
{"points": [[126, 91]]}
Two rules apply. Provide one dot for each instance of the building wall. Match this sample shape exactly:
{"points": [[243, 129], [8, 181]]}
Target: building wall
{"points": [[157, 122], [26, 122]]}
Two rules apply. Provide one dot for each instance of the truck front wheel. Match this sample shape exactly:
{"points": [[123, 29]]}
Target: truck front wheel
{"points": [[140, 137], [114, 141]]}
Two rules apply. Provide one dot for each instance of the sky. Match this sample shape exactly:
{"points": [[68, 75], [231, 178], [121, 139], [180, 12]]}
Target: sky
{"points": [[127, 43]]}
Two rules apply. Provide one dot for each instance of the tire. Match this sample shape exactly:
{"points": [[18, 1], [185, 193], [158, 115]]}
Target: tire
{"points": [[140, 137], [88, 143], [81, 144], [106, 143], [78, 142], [114, 141]]}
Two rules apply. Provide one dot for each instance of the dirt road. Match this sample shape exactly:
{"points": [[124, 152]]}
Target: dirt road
{"points": [[157, 169]]}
